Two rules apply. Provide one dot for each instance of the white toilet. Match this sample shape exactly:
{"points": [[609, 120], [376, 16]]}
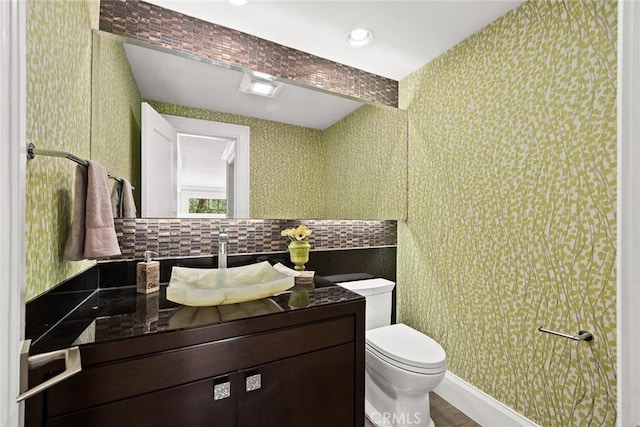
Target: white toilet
{"points": [[402, 364]]}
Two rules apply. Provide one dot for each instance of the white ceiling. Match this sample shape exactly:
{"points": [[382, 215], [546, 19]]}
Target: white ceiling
{"points": [[408, 33], [178, 80]]}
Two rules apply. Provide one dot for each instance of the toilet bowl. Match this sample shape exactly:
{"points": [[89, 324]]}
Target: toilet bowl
{"points": [[402, 365]]}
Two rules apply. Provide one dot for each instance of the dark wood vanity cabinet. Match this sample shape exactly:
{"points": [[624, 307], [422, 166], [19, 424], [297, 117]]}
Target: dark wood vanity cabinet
{"points": [[295, 368], [310, 390]]}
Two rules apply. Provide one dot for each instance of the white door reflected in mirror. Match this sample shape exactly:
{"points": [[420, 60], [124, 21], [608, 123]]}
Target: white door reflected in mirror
{"points": [[205, 173], [159, 197], [204, 188]]}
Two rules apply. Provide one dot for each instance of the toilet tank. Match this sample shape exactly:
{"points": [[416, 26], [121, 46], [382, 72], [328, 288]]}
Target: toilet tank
{"points": [[378, 296]]}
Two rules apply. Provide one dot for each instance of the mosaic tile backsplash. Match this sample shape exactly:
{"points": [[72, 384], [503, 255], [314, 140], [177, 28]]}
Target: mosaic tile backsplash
{"points": [[176, 237], [170, 29]]}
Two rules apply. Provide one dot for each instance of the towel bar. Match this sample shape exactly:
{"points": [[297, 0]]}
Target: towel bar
{"points": [[582, 335], [32, 151]]}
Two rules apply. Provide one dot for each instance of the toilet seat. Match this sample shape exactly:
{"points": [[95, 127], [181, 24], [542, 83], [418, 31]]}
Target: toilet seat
{"points": [[406, 348]]}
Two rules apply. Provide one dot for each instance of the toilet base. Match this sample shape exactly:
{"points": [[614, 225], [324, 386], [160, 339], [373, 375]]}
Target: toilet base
{"points": [[384, 410], [378, 420]]}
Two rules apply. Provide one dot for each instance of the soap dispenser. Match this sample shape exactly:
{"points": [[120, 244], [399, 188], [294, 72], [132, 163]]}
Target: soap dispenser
{"points": [[148, 274]]}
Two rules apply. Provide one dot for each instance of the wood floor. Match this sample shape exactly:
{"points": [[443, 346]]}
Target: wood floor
{"points": [[443, 414]]}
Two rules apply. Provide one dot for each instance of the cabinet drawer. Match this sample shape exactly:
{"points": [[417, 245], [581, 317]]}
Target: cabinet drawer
{"points": [[191, 405], [131, 377], [311, 390]]}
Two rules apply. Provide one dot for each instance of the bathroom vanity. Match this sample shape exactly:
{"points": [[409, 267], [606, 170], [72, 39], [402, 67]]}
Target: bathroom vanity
{"points": [[149, 362]]}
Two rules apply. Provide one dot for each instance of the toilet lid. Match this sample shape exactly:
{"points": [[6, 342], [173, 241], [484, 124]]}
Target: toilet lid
{"points": [[405, 347]]}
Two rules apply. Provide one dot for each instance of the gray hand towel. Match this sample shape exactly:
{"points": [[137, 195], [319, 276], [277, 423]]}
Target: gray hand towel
{"points": [[128, 205], [115, 199], [100, 238], [74, 248], [122, 203]]}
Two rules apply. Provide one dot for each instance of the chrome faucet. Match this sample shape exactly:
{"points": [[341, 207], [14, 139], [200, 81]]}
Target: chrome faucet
{"points": [[223, 239]]}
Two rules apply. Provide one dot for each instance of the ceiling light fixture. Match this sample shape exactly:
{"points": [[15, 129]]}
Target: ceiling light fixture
{"points": [[239, 2], [359, 37], [259, 87], [263, 76]]}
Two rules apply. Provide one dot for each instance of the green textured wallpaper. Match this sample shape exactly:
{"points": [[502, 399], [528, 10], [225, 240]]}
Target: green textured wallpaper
{"points": [[58, 118], [511, 209], [115, 130], [286, 163], [366, 165]]}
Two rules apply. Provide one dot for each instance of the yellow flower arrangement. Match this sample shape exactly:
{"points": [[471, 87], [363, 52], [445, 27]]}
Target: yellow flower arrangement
{"points": [[298, 234]]}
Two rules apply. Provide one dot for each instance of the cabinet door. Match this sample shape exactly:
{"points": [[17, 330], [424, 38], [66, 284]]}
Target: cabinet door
{"points": [[210, 403], [312, 390]]}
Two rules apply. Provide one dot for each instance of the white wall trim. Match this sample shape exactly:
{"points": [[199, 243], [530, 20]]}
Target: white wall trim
{"points": [[628, 214], [242, 136], [12, 202], [479, 406]]}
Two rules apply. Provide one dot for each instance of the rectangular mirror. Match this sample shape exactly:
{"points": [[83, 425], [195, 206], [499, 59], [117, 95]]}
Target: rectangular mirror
{"points": [[310, 153]]}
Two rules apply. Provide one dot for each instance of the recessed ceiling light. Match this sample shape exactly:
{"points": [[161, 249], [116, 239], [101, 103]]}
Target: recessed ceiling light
{"points": [[239, 2], [259, 87], [359, 37]]}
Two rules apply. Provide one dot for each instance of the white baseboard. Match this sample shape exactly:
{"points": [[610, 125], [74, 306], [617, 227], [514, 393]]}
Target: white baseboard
{"points": [[479, 406]]}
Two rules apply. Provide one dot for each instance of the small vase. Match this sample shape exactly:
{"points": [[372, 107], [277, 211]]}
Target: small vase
{"points": [[299, 253], [299, 299]]}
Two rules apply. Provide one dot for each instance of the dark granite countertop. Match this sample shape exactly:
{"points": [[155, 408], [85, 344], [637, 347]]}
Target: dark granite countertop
{"points": [[121, 313]]}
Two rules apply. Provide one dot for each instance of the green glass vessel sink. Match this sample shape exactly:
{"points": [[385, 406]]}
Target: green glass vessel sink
{"points": [[201, 287]]}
